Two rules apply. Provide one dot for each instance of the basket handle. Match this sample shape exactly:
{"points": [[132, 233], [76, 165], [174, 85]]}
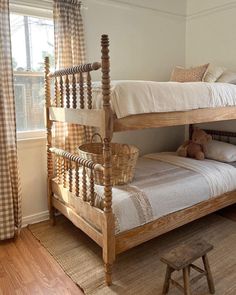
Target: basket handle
{"points": [[95, 134]]}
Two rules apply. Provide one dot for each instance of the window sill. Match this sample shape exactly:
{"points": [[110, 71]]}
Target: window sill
{"points": [[31, 135]]}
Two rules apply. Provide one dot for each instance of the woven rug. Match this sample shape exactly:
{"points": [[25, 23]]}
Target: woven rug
{"points": [[139, 270]]}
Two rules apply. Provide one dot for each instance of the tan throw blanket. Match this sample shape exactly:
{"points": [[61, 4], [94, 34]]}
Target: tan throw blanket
{"points": [[220, 177]]}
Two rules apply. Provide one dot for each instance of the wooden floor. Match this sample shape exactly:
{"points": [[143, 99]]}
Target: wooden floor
{"points": [[229, 212], [27, 268]]}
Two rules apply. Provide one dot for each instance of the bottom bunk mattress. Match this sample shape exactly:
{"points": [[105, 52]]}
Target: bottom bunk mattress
{"points": [[165, 183]]}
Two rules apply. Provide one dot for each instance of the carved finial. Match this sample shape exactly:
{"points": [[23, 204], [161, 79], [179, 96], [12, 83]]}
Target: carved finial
{"points": [[105, 70]]}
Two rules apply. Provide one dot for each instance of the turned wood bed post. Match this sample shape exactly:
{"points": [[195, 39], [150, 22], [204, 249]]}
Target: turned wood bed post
{"points": [[49, 139], [108, 226]]}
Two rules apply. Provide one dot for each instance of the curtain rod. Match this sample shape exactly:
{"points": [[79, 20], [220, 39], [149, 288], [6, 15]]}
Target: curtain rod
{"points": [[35, 4]]}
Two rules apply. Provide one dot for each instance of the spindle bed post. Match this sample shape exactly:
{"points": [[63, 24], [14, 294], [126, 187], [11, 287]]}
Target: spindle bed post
{"points": [[108, 226], [49, 140]]}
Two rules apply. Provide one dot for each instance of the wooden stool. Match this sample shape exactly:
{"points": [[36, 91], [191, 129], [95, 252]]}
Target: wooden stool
{"points": [[182, 258]]}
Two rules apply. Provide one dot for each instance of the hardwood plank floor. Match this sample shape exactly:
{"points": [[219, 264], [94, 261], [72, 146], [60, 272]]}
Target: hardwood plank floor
{"points": [[26, 268], [229, 212]]}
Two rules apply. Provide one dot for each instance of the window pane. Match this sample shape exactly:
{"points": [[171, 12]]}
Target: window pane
{"points": [[18, 42], [32, 40], [42, 40], [29, 98]]}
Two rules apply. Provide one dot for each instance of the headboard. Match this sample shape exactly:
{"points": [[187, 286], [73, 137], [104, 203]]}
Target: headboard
{"points": [[226, 136]]}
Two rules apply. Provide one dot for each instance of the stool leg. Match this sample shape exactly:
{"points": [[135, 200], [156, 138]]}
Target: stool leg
{"points": [[167, 280], [186, 281], [209, 274]]}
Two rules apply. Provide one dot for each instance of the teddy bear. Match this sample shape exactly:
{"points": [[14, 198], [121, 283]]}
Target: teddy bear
{"points": [[196, 147]]}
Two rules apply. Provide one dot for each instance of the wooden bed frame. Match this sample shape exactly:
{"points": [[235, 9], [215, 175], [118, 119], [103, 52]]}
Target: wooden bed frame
{"points": [[97, 223]]}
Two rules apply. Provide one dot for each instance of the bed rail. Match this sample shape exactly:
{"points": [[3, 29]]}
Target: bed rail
{"points": [[83, 68], [71, 100], [76, 174], [86, 163], [73, 86], [216, 134]]}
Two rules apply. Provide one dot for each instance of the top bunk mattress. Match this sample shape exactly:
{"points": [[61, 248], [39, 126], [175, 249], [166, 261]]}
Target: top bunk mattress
{"points": [[140, 97]]}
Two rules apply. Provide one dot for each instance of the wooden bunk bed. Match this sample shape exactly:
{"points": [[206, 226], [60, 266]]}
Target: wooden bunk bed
{"points": [[99, 224]]}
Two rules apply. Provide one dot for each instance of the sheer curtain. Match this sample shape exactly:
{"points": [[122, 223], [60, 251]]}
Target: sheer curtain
{"points": [[10, 197], [69, 51]]}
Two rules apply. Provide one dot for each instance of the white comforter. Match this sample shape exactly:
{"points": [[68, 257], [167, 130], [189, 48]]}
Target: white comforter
{"points": [[137, 97], [165, 183]]}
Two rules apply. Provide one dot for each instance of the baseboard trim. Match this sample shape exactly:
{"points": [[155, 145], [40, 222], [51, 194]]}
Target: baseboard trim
{"points": [[35, 218]]}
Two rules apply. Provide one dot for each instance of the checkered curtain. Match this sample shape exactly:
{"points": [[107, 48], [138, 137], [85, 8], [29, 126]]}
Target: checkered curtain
{"points": [[10, 197], [69, 51]]}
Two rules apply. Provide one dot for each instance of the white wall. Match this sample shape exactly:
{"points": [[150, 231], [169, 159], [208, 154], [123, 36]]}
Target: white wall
{"points": [[210, 33], [32, 166], [142, 41], [211, 37]]}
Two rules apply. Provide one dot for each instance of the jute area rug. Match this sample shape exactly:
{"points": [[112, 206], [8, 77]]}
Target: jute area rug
{"points": [[139, 270]]}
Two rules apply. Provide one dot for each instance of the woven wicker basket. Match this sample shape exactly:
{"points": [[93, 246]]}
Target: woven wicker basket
{"points": [[124, 158]]}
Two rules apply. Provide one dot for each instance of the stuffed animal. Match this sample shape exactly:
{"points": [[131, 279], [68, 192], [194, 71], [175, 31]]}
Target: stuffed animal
{"points": [[196, 147]]}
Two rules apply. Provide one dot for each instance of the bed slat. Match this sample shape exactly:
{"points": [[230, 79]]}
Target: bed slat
{"points": [[81, 90], [67, 92], [77, 180], [84, 181], [61, 93], [74, 94], [89, 91]]}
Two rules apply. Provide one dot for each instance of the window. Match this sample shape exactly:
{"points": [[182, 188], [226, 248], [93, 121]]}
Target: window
{"points": [[32, 40]]}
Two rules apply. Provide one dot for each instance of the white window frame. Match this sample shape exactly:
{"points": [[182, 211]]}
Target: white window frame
{"points": [[32, 134], [34, 8]]}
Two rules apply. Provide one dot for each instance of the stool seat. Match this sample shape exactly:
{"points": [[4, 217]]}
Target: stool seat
{"points": [[182, 258], [186, 253]]}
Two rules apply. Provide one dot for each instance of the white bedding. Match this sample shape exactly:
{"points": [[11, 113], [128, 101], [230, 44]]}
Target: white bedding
{"points": [[137, 97], [165, 183]]}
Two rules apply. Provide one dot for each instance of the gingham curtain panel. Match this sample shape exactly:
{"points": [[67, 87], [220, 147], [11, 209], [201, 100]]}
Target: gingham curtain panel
{"points": [[10, 197], [69, 51]]}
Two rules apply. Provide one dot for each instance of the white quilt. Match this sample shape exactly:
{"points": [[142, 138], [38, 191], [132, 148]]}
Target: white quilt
{"points": [[137, 97]]}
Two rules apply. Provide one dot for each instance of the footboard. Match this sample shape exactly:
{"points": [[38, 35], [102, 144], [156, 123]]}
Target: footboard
{"points": [[73, 186], [73, 193]]}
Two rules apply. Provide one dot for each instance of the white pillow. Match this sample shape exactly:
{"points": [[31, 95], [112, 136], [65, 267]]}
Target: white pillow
{"points": [[220, 151], [227, 77], [213, 73]]}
